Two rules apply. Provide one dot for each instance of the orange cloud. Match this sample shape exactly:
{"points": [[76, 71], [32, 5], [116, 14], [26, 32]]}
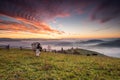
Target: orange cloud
{"points": [[40, 26], [28, 26]]}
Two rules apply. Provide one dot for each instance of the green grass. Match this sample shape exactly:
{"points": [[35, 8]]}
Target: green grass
{"points": [[24, 65]]}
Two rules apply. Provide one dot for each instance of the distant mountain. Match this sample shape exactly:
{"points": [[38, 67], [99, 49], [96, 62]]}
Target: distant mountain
{"points": [[92, 41], [114, 43], [64, 44], [8, 39]]}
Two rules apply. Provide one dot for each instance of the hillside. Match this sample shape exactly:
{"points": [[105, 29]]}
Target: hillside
{"points": [[92, 41], [81, 52], [9, 39], [18, 64], [64, 43], [114, 43]]}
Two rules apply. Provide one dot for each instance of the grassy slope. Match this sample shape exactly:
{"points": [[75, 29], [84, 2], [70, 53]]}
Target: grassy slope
{"points": [[82, 52], [24, 65]]}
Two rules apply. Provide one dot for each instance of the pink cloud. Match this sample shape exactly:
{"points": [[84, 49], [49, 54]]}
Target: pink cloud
{"points": [[63, 15], [33, 27]]}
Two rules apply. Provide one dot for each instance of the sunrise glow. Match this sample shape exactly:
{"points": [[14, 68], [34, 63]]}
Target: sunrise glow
{"points": [[59, 19]]}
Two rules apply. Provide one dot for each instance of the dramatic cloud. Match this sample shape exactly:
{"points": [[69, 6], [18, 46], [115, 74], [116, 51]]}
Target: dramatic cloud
{"points": [[106, 10], [40, 10], [34, 14], [26, 26]]}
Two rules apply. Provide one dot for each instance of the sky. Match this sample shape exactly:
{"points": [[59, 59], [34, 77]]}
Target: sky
{"points": [[57, 19]]}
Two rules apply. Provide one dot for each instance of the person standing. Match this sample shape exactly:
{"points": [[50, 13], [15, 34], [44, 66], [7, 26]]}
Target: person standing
{"points": [[38, 49]]}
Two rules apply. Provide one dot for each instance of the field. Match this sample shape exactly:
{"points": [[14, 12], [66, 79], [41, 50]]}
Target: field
{"points": [[18, 64]]}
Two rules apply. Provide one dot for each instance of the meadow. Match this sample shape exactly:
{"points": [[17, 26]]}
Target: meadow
{"points": [[18, 64]]}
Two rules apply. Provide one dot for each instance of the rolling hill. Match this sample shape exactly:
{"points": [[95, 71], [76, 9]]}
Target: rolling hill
{"points": [[114, 43], [92, 41]]}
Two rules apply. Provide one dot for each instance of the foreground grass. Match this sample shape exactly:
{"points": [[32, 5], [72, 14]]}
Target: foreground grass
{"points": [[24, 65]]}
